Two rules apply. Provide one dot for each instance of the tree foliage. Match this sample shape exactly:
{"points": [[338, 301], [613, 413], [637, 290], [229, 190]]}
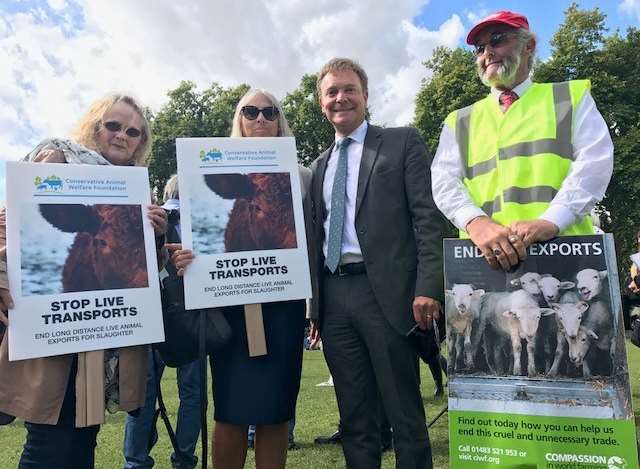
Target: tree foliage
{"points": [[312, 131], [581, 49], [453, 84], [189, 113], [574, 46], [208, 113]]}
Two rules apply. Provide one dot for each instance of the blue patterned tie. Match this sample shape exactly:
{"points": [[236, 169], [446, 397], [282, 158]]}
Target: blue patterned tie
{"points": [[338, 195]]}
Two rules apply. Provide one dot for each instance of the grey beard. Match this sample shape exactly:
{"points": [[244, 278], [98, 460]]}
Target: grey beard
{"points": [[506, 74]]}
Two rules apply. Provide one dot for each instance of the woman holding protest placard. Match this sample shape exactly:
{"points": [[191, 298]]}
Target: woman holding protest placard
{"points": [[275, 377], [53, 394]]}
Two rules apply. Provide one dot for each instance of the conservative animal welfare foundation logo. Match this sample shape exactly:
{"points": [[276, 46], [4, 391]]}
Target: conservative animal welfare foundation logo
{"points": [[50, 184], [212, 156]]}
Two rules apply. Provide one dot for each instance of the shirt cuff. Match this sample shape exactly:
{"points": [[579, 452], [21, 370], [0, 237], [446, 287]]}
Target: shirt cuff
{"points": [[465, 214], [560, 216]]}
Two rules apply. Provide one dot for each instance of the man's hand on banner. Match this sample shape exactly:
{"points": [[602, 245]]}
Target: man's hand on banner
{"points": [[497, 243], [534, 231]]}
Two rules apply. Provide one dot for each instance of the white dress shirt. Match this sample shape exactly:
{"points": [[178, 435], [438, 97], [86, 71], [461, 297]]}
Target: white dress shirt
{"points": [[350, 251], [584, 185]]}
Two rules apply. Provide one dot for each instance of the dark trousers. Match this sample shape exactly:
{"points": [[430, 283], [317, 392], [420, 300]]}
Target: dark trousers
{"points": [[366, 356], [60, 446], [435, 366]]}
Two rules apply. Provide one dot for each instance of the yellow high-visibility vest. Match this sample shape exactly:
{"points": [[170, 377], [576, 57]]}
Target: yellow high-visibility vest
{"points": [[515, 162]]}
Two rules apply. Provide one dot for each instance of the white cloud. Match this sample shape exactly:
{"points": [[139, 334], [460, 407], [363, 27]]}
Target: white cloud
{"points": [[398, 90], [13, 151], [57, 4], [56, 59], [473, 16], [631, 7]]}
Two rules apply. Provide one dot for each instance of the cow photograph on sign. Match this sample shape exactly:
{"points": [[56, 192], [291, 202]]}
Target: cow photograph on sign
{"points": [[81, 259], [241, 216], [550, 320], [78, 248], [243, 212]]}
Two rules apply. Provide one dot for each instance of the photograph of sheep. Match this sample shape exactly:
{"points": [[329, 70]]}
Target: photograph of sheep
{"points": [[546, 338], [551, 317], [242, 212], [543, 339], [75, 248]]}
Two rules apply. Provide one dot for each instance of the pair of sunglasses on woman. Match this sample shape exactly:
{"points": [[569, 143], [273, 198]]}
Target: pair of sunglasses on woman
{"points": [[251, 112], [115, 126]]}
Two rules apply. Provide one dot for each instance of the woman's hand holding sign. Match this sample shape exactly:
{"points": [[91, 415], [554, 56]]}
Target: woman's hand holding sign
{"points": [[180, 258], [6, 303], [158, 218]]}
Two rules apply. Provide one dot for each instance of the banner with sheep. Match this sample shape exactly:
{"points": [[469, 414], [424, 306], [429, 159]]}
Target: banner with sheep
{"points": [[241, 215], [81, 259], [537, 363]]}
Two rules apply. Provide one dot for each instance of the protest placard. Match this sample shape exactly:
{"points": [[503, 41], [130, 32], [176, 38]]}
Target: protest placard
{"points": [[241, 215], [537, 363], [81, 259]]}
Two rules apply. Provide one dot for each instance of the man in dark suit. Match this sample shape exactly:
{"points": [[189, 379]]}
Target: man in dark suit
{"points": [[379, 243]]}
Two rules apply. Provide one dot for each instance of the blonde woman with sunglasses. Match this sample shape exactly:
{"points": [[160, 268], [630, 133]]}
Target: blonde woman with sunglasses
{"points": [[237, 378], [42, 391]]}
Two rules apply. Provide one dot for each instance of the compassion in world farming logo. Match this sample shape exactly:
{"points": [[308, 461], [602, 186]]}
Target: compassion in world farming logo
{"points": [[49, 184], [212, 156], [562, 460], [616, 462]]}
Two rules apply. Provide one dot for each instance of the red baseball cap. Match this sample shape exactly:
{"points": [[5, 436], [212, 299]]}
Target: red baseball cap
{"points": [[510, 18]]}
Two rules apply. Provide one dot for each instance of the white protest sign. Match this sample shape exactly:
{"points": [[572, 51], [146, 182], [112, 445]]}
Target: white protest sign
{"points": [[241, 215], [81, 259]]}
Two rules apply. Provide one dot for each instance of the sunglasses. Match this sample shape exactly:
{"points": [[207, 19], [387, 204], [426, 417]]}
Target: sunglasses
{"points": [[251, 112], [494, 41], [114, 126]]}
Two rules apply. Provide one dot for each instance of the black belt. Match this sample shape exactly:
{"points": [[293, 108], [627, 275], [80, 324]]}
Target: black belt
{"points": [[355, 268]]}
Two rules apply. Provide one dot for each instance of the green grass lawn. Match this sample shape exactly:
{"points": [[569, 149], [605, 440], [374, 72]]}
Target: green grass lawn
{"points": [[317, 414]]}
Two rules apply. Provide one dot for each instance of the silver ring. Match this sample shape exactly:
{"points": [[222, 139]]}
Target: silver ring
{"points": [[514, 238], [497, 251]]}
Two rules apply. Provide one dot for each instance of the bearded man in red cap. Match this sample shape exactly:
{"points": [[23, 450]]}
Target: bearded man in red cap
{"points": [[526, 163]]}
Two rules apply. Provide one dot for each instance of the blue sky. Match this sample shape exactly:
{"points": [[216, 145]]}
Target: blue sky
{"points": [[544, 15], [57, 56]]}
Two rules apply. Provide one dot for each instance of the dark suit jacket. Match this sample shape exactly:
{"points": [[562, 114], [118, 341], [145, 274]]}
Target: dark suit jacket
{"points": [[399, 228], [305, 186]]}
